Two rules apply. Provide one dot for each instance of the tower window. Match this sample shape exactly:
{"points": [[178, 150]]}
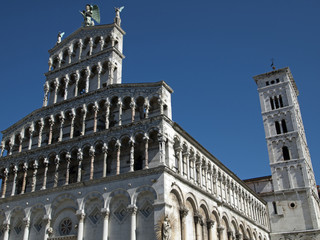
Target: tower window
{"points": [[267, 83], [274, 204], [277, 80], [272, 82], [277, 125], [271, 103], [280, 101], [276, 102], [285, 153], [284, 126]]}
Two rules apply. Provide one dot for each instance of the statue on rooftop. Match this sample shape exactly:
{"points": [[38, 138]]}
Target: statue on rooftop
{"points": [[117, 19], [91, 13], [59, 37]]}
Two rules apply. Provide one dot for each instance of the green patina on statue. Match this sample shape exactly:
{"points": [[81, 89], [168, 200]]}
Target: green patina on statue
{"points": [[91, 13]]}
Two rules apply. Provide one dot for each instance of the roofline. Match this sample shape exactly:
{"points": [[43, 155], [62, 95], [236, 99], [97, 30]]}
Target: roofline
{"points": [[281, 70], [269, 177], [86, 29]]}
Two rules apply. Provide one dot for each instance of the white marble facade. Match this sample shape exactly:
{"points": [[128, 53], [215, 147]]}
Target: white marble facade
{"points": [[104, 160]]}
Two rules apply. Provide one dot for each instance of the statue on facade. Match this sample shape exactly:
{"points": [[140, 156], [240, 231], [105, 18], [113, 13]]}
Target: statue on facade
{"points": [[59, 37], [91, 13], [166, 228]]}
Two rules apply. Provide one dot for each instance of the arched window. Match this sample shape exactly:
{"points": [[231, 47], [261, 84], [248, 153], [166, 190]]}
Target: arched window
{"points": [[285, 153], [276, 102], [284, 126], [280, 101], [277, 125], [271, 103]]}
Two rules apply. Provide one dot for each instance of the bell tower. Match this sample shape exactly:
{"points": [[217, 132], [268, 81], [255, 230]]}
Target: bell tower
{"points": [[294, 204]]}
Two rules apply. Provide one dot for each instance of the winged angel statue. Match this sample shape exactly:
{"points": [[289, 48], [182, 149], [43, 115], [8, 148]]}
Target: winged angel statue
{"points": [[91, 13]]}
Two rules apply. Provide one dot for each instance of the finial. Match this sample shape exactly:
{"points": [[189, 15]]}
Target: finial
{"points": [[118, 10], [91, 12], [60, 36], [272, 64]]}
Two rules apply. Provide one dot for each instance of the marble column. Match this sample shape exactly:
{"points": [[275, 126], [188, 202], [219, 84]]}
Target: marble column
{"points": [[80, 158], [50, 64], [183, 214], [46, 92], [105, 232], [51, 123], [118, 146], [4, 182], [120, 111], [110, 72], [178, 156], [48, 231], [210, 225], [239, 236], [14, 182], [24, 179], [70, 52], [197, 221], [161, 106], [10, 147], [80, 45], [62, 119], [81, 215], [6, 229], [56, 87], [31, 130], [186, 159], [68, 159], [77, 79], [133, 211], [162, 148], [84, 115], [2, 149], [101, 42], [146, 106], [72, 115], [133, 109], [56, 172], [105, 159], [131, 142], [66, 84], [41, 125], [220, 230], [26, 223], [20, 139], [87, 74], [99, 70], [95, 110], [34, 176], [146, 151], [91, 154], [107, 105], [45, 173], [90, 46]]}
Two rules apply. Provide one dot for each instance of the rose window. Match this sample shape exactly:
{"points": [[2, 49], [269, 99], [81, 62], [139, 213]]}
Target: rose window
{"points": [[65, 226]]}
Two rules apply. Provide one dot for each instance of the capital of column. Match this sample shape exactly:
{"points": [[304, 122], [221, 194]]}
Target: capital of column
{"points": [[95, 107], [80, 214], [15, 169], [35, 164], [132, 103], [197, 218], [57, 160], [92, 151], [132, 209], [6, 226], [118, 144], [220, 229], [107, 103], [105, 148], [72, 114], [87, 71], [25, 167], [105, 212], [46, 161], [5, 172], [161, 137], [99, 68], [46, 87], [210, 223], [145, 137], [80, 154], [183, 211], [51, 121], [56, 83], [77, 75], [26, 222], [68, 156]]}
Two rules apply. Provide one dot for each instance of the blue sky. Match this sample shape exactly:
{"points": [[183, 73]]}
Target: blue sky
{"points": [[206, 50]]}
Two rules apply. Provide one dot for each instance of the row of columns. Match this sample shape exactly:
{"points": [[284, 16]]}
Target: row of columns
{"points": [[66, 81], [161, 140], [203, 176], [70, 51], [72, 115]]}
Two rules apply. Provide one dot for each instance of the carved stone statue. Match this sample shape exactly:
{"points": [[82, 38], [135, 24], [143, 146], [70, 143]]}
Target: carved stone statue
{"points": [[117, 19], [91, 13], [60, 36], [166, 229]]}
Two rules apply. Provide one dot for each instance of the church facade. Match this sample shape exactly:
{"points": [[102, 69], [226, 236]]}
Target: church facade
{"points": [[103, 159]]}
